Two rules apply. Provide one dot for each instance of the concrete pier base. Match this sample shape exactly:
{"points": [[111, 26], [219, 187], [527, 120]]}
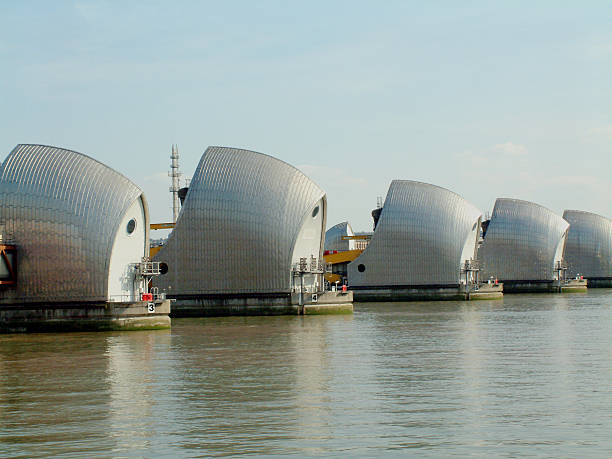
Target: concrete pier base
{"points": [[97, 316], [572, 286], [428, 293], [575, 286], [262, 304], [511, 286], [420, 293], [329, 303], [599, 282], [487, 292]]}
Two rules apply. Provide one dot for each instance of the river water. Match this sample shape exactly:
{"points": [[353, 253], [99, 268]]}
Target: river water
{"points": [[526, 375]]}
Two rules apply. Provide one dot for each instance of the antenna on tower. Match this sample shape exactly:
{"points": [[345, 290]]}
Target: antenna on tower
{"points": [[175, 175]]}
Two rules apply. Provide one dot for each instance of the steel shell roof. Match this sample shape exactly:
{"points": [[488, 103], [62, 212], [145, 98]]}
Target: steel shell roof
{"points": [[522, 241], [588, 250], [419, 239], [333, 237], [238, 226], [63, 209]]}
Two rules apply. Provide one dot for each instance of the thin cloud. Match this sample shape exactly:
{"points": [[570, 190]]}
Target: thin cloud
{"points": [[590, 182], [500, 152], [470, 158], [605, 131], [510, 149], [88, 10]]}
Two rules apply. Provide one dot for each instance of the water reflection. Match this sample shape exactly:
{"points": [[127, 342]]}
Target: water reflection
{"points": [[531, 374], [251, 380], [53, 393], [136, 375], [473, 363]]}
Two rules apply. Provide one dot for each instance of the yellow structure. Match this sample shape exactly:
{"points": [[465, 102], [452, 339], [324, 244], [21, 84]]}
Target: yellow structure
{"points": [[342, 257], [357, 237], [339, 261], [157, 226]]}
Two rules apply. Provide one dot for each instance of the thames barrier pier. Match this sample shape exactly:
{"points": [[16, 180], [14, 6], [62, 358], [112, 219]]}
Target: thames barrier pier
{"points": [[74, 243], [588, 250], [248, 240], [424, 247], [523, 246]]}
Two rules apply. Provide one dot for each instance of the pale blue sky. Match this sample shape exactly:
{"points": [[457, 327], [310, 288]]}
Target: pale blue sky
{"points": [[488, 99]]}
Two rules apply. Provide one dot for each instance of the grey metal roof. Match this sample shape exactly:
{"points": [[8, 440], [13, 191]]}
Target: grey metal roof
{"points": [[522, 242], [63, 209], [588, 250], [333, 237], [419, 239], [238, 226]]}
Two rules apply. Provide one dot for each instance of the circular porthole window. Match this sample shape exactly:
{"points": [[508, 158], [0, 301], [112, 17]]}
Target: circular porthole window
{"points": [[315, 212], [163, 268], [131, 226], [361, 268]]}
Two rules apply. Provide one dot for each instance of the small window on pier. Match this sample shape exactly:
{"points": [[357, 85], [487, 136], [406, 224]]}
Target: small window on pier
{"points": [[131, 226]]}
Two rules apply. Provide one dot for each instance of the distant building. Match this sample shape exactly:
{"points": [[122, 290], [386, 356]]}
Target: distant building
{"points": [[249, 234], [334, 237], [424, 236], [364, 239], [80, 230], [340, 250], [523, 246], [588, 250]]}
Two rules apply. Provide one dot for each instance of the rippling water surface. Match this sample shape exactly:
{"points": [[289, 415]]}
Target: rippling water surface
{"points": [[529, 375]]}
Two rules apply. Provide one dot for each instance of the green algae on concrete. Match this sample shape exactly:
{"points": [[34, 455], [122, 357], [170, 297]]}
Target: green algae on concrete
{"points": [[325, 309]]}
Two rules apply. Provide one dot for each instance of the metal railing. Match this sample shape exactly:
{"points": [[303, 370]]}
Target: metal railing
{"points": [[149, 268], [310, 265]]}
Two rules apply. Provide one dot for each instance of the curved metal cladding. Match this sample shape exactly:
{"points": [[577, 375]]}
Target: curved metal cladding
{"points": [[523, 242], [239, 225], [63, 209], [333, 237], [588, 250], [423, 234]]}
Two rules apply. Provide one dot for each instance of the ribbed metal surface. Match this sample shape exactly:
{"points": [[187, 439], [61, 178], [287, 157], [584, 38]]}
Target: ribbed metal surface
{"points": [[588, 250], [238, 225], [419, 239], [63, 210], [333, 237], [521, 241]]}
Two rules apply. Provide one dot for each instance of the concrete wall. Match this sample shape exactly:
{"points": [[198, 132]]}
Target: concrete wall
{"points": [[95, 316]]}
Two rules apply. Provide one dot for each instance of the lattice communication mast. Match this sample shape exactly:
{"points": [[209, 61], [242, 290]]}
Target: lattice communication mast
{"points": [[175, 175]]}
